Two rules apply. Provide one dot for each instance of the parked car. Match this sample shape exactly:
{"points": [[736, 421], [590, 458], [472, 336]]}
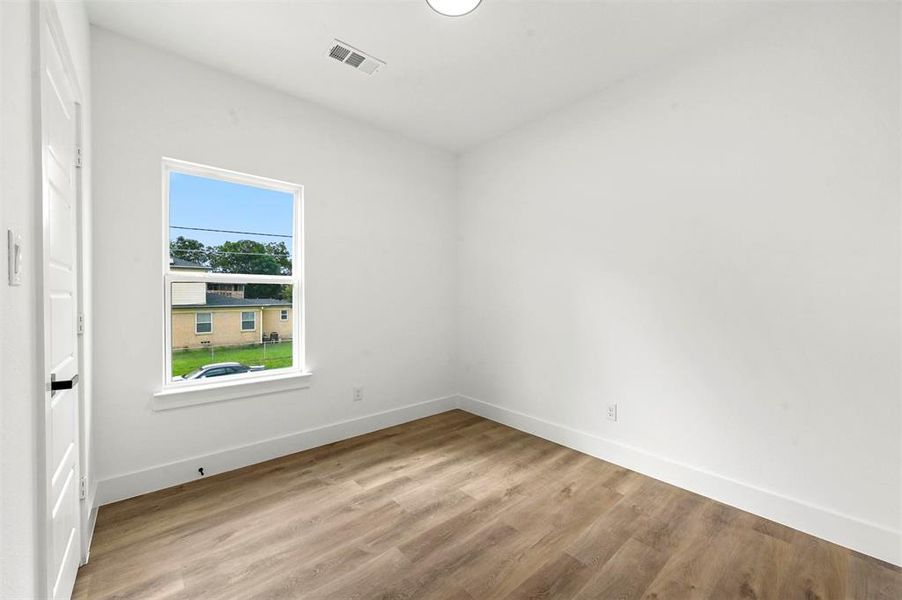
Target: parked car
{"points": [[218, 370]]}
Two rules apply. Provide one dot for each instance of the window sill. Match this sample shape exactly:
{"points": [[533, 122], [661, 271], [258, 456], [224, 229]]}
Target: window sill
{"points": [[237, 387]]}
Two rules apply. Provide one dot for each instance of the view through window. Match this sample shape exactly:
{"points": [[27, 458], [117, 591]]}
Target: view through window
{"points": [[232, 274]]}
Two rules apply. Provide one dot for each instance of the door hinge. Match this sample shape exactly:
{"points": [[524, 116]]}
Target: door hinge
{"points": [[78, 159], [83, 488], [81, 323]]}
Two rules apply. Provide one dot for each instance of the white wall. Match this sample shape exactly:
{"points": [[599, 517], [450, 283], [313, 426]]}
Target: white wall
{"points": [[714, 246], [20, 372], [379, 249], [19, 210]]}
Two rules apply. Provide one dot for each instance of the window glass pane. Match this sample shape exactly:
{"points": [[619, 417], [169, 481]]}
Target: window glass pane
{"points": [[249, 333], [223, 227], [203, 322]]}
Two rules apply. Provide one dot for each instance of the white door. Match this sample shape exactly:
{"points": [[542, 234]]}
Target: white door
{"points": [[58, 141]]}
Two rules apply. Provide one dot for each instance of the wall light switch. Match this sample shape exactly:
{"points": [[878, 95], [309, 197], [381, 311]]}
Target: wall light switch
{"points": [[14, 245]]}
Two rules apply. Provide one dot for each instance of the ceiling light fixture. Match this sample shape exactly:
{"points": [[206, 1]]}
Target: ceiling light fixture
{"points": [[453, 8]]}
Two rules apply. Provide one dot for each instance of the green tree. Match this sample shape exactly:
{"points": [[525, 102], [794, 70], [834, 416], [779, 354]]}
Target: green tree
{"points": [[262, 290], [252, 257], [285, 293], [190, 250]]}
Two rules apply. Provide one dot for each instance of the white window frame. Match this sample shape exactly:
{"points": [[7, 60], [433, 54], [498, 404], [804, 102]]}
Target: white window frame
{"points": [[196, 322], [248, 312], [283, 314], [171, 392]]}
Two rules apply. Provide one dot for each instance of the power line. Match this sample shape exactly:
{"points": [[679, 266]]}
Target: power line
{"points": [[188, 251], [229, 231]]}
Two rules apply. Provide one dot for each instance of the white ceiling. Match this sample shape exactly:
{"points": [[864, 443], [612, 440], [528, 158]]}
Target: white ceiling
{"points": [[450, 82]]}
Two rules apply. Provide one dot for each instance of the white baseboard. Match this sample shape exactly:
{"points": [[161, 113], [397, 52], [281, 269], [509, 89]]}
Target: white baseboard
{"points": [[167, 475], [866, 537]]}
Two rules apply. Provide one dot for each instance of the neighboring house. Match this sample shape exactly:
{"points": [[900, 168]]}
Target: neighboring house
{"points": [[180, 264], [218, 314]]}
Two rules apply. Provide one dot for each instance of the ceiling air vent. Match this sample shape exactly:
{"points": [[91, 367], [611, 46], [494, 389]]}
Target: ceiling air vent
{"points": [[355, 58], [339, 52]]}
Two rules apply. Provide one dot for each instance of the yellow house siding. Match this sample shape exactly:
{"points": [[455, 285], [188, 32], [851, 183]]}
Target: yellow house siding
{"points": [[226, 328], [272, 322]]}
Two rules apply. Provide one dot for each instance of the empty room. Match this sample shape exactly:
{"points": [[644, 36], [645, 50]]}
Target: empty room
{"points": [[451, 299]]}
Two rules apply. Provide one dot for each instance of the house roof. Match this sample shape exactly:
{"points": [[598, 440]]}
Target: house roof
{"points": [[218, 300], [181, 263]]}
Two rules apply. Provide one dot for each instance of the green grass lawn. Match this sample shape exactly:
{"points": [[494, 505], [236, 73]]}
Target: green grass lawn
{"points": [[278, 356]]}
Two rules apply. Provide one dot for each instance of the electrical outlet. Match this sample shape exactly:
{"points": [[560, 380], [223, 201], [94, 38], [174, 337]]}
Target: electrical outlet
{"points": [[612, 412], [358, 394]]}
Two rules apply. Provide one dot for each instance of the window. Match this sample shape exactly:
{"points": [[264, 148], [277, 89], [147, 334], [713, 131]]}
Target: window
{"points": [[203, 322], [234, 250]]}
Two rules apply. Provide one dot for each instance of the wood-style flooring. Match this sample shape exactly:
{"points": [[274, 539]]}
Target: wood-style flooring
{"points": [[456, 507]]}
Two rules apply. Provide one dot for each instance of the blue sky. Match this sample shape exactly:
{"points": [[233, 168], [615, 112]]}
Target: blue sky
{"points": [[213, 204]]}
